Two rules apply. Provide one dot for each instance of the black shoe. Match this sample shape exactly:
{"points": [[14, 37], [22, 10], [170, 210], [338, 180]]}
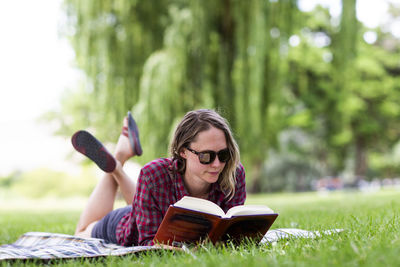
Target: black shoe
{"points": [[133, 133], [89, 146]]}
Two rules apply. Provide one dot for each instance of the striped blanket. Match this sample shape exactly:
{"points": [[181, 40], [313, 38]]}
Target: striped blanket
{"points": [[38, 245], [47, 246], [287, 233]]}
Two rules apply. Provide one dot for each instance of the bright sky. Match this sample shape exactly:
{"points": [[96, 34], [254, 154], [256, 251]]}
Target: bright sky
{"points": [[371, 12], [35, 68]]}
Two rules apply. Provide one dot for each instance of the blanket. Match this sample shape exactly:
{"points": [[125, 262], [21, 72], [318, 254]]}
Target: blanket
{"points": [[47, 246], [287, 233], [39, 245]]}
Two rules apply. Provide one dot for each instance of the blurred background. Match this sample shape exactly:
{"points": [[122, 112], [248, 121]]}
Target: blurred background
{"points": [[311, 88]]}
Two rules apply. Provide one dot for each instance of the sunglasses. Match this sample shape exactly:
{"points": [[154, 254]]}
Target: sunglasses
{"points": [[208, 156]]}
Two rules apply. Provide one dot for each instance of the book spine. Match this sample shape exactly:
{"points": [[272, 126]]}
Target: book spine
{"points": [[181, 225]]}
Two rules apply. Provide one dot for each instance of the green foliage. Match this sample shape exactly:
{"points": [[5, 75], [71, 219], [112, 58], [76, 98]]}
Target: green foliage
{"points": [[44, 182], [288, 170], [161, 59], [342, 93], [7, 181], [176, 57]]}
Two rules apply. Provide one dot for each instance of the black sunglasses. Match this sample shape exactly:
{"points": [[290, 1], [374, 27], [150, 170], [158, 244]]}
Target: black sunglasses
{"points": [[208, 156]]}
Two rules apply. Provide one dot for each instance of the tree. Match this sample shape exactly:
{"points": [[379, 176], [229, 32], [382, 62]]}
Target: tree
{"points": [[191, 54], [346, 104], [260, 63], [112, 40]]}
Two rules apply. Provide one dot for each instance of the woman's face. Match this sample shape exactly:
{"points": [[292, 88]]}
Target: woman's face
{"points": [[211, 139]]}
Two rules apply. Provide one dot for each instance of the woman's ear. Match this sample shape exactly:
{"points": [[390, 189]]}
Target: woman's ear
{"points": [[183, 153]]}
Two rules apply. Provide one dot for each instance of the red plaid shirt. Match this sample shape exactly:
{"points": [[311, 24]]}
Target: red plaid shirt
{"points": [[158, 188]]}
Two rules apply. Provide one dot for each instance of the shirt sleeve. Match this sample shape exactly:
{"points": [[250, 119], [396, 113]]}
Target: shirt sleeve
{"points": [[148, 214]]}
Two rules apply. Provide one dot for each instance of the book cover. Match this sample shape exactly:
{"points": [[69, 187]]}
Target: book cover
{"points": [[187, 225]]}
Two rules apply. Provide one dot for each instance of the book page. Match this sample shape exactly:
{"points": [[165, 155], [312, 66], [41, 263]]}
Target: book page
{"points": [[248, 210], [199, 204]]}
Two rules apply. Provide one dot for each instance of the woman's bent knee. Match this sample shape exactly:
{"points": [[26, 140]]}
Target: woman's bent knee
{"points": [[87, 232]]}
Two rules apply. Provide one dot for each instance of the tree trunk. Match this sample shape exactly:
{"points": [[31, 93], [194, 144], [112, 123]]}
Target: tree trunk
{"points": [[255, 186], [361, 164]]}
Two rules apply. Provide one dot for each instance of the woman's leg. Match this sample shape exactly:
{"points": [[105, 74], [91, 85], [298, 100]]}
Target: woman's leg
{"points": [[123, 152], [100, 203], [102, 199]]}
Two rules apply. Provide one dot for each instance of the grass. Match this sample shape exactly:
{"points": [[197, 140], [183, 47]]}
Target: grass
{"points": [[371, 236]]}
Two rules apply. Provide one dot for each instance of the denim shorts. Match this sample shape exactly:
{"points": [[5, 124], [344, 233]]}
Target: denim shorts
{"points": [[106, 227]]}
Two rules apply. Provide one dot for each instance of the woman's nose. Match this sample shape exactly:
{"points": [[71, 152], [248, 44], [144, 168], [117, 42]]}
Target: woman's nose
{"points": [[216, 162]]}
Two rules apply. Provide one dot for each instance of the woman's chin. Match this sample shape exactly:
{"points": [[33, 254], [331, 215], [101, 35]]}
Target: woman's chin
{"points": [[212, 177]]}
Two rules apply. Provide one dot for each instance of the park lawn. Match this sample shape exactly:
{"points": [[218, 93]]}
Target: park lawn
{"points": [[370, 221]]}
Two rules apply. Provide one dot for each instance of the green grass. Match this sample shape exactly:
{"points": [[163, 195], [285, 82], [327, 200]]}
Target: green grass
{"points": [[371, 236]]}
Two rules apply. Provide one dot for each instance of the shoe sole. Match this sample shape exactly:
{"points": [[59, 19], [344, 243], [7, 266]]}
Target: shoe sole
{"points": [[133, 134], [89, 146]]}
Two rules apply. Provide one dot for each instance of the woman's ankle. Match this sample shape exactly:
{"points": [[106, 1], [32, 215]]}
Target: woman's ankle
{"points": [[123, 150], [121, 158]]}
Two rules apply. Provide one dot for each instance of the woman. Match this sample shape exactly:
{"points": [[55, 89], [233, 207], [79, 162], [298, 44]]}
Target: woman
{"points": [[204, 163]]}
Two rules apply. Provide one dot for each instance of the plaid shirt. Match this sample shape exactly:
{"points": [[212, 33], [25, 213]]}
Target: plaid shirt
{"points": [[159, 186]]}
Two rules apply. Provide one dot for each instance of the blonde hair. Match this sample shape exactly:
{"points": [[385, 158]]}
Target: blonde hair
{"points": [[192, 124]]}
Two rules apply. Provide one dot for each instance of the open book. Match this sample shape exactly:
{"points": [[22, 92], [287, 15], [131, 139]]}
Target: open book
{"points": [[191, 220]]}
